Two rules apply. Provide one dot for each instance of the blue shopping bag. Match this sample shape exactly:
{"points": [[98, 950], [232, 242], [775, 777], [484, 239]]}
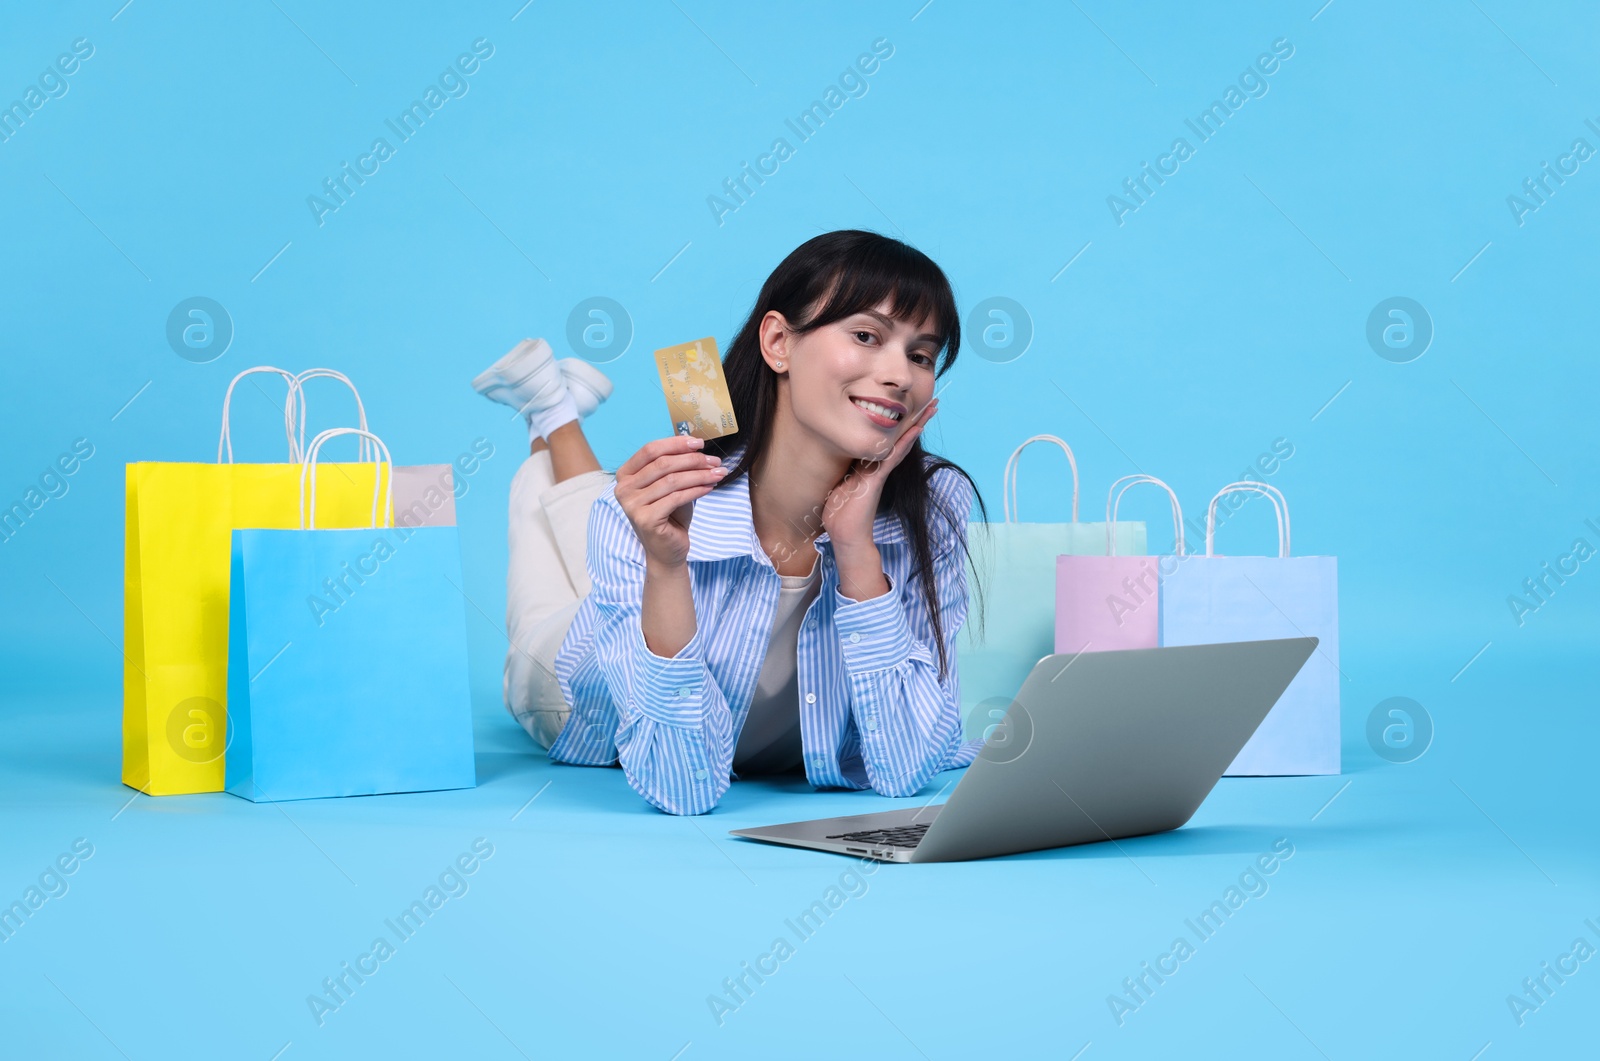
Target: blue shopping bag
{"points": [[1210, 598], [347, 661]]}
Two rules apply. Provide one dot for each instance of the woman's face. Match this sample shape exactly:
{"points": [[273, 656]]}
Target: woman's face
{"points": [[845, 376]]}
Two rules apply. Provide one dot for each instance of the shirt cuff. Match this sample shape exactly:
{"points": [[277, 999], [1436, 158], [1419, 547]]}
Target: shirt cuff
{"points": [[874, 634], [667, 690]]}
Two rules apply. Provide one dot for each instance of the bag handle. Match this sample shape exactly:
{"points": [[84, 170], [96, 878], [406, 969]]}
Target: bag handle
{"points": [[1279, 506], [225, 443], [308, 470], [297, 407], [1114, 504], [1009, 498]]}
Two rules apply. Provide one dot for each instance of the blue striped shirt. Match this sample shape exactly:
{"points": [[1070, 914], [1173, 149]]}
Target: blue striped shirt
{"points": [[873, 711]]}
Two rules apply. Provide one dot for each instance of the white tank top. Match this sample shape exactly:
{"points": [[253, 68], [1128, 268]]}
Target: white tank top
{"points": [[770, 740]]}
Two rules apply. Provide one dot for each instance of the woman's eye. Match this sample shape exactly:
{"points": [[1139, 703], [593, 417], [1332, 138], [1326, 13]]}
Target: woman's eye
{"points": [[859, 334]]}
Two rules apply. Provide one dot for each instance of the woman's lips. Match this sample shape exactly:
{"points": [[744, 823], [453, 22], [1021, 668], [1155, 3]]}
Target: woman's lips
{"points": [[877, 420]]}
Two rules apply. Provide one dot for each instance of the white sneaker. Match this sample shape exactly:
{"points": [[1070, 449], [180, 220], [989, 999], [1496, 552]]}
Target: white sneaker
{"points": [[521, 377], [587, 384], [526, 378], [529, 380]]}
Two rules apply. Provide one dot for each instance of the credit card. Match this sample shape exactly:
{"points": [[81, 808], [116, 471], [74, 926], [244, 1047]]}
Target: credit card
{"points": [[696, 390]]}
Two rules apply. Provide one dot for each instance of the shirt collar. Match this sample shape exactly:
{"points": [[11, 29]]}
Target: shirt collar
{"points": [[723, 527]]}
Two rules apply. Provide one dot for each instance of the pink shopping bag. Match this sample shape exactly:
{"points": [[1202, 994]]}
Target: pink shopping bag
{"points": [[1112, 602]]}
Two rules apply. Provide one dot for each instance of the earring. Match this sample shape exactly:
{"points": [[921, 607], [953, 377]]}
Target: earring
{"points": [[778, 364]]}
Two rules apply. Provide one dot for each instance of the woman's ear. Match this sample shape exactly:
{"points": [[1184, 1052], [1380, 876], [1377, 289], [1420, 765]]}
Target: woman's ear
{"points": [[775, 341]]}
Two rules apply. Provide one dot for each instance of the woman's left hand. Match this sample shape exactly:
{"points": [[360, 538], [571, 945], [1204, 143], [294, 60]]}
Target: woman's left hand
{"points": [[852, 505]]}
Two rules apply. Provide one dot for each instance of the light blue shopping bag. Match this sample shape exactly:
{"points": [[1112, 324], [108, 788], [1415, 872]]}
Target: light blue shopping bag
{"points": [[1016, 563], [1210, 598], [347, 661]]}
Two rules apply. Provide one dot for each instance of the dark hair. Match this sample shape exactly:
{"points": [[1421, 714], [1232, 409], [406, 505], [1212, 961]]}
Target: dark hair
{"points": [[831, 277]]}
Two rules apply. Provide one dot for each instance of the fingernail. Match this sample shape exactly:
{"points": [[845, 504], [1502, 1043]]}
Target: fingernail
{"points": [[696, 443], [713, 459]]}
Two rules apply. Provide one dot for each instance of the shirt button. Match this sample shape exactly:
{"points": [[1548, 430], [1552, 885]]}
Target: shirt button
{"points": [[701, 774], [854, 638], [682, 692], [818, 761], [811, 698], [872, 723]]}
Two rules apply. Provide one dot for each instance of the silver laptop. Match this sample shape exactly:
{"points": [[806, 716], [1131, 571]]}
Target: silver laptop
{"points": [[1095, 746]]}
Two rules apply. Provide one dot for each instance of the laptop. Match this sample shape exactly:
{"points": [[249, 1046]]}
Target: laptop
{"points": [[1095, 746]]}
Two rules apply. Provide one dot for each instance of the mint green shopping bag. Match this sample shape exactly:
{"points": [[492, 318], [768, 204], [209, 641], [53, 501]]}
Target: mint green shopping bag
{"points": [[1016, 563]]}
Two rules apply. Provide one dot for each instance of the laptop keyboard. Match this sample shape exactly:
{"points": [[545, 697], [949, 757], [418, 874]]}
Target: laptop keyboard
{"points": [[900, 836]]}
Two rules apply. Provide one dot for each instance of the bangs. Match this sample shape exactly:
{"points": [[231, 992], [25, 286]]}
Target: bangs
{"points": [[870, 274]]}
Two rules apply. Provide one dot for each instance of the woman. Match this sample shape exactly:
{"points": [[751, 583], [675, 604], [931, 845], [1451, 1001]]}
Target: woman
{"points": [[786, 597]]}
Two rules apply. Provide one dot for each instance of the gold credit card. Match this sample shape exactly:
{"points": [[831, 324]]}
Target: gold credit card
{"points": [[696, 390]]}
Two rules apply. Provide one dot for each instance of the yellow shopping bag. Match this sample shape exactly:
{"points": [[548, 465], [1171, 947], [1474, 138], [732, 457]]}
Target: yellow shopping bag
{"points": [[180, 523]]}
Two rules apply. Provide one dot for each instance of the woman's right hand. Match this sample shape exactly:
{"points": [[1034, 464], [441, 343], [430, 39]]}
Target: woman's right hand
{"points": [[657, 488]]}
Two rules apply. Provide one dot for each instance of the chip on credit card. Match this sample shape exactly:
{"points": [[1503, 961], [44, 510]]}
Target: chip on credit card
{"points": [[696, 390]]}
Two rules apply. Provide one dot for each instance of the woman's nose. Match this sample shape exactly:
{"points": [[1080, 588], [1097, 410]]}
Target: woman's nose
{"points": [[896, 372]]}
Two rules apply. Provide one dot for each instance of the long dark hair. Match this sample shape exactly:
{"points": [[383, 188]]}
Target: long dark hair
{"points": [[856, 271]]}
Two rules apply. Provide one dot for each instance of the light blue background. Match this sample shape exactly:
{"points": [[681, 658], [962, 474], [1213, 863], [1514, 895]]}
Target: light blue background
{"points": [[1223, 315]]}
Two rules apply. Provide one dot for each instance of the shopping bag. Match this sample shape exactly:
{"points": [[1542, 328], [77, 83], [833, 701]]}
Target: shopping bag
{"points": [[296, 413], [423, 495], [1015, 563], [1111, 602], [179, 520], [347, 662], [1211, 598]]}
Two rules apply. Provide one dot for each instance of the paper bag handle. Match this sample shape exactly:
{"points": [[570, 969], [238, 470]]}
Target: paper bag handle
{"points": [[225, 443], [308, 471], [1114, 504], [1009, 498], [297, 406], [1279, 506]]}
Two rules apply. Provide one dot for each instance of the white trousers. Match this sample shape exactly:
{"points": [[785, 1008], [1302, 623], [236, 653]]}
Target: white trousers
{"points": [[546, 580]]}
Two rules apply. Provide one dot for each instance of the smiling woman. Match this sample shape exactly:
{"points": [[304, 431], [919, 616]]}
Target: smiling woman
{"points": [[785, 598], [834, 370]]}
